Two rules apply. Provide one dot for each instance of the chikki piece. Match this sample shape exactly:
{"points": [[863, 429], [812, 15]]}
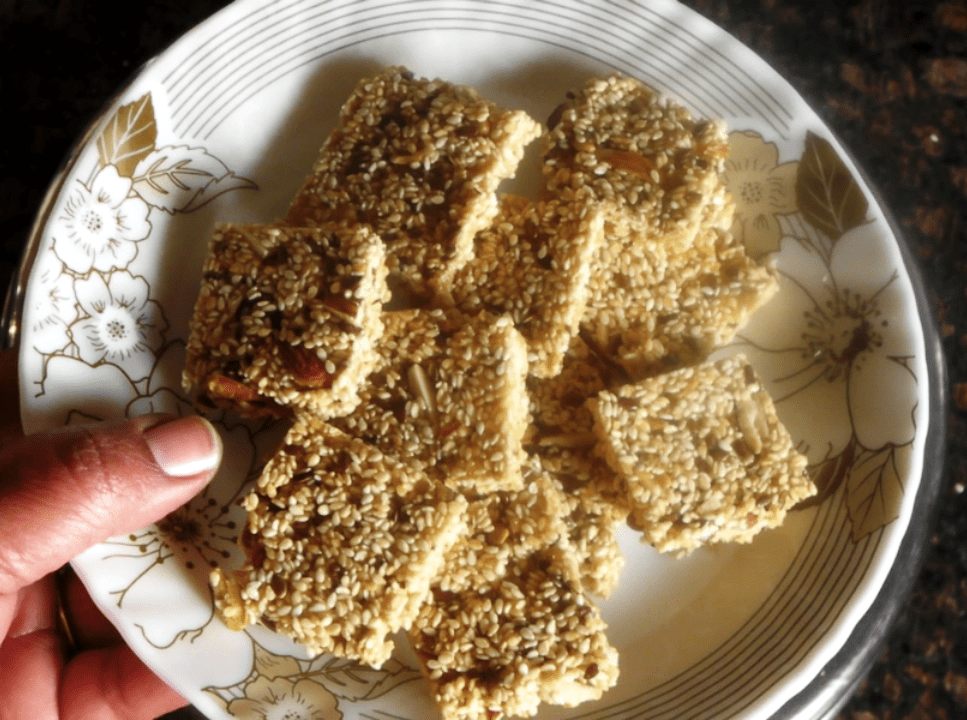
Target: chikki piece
{"points": [[533, 263], [562, 441], [557, 403], [504, 525], [561, 435], [702, 455], [498, 649], [342, 545], [698, 305], [419, 161], [594, 514], [287, 318], [393, 413], [593, 507], [654, 308], [668, 284], [621, 141], [448, 400]]}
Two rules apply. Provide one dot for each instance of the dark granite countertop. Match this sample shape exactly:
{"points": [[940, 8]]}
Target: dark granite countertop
{"points": [[889, 76]]}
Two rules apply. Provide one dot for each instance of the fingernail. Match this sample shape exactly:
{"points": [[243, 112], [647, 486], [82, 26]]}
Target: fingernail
{"points": [[186, 446]]}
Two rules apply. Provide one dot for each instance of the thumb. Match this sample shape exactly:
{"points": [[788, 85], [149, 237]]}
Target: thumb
{"points": [[65, 491]]}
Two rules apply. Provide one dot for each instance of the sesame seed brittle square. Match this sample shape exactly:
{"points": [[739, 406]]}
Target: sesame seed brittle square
{"points": [[497, 644], [594, 513], [533, 263], [286, 319], [623, 142], [342, 543], [561, 440], [699, 304], [702, 455], [419, 161], [503, 525], [448, 397], [670, 283]]}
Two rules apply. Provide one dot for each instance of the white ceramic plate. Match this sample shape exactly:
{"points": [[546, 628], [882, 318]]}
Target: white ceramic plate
{"points": [[225, 124]]}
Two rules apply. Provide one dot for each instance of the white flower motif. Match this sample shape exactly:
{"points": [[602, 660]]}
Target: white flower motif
{"points": [[101, 224], [840, 373], [281, 698], [53, 306], [123, 326]]}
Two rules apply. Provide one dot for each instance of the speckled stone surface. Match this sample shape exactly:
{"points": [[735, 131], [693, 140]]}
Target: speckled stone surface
{"points": [[889, 76]]}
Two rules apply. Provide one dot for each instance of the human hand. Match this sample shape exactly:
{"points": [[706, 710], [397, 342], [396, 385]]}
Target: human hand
{"points": [[61, 493]]}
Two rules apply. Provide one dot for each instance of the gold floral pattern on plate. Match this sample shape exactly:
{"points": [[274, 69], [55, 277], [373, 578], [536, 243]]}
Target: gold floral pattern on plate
{"points": [[841, 351]]}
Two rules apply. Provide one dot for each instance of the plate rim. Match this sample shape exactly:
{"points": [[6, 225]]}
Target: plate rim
{"points": [[856, 656], [839, 678]]}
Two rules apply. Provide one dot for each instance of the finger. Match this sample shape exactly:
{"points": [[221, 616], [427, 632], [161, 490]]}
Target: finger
{"points": [[105, 684], [32, 608], [63, 492], [91, 629], [113, 684], [31, 669]]}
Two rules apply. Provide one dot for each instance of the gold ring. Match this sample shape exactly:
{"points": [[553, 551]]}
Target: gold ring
{"points": [[64, 625]]}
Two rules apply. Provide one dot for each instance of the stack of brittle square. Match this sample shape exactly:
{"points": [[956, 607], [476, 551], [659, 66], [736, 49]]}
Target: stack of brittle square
{"points": [[670, 283], [483, 389], [562, 442], [498, 642], [418, 161]]}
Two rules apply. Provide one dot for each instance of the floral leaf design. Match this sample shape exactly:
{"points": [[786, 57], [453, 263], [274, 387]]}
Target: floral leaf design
{"points": [[91, 392], [284, 698], [77, 417], [828, 196], [830, 474], [180, 178], [351, 681], [54, 308], [874, 490], [129, 136], [267, 664], [192, 539], [829, 347]]}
